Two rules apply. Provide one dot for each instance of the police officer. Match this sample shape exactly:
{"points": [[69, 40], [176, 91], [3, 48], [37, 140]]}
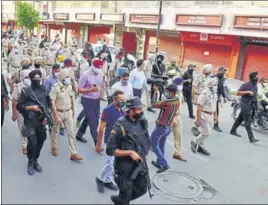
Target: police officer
{"points": [[206, 109], [248, 93], [73, 44], [13, 65], [37, 65], [148, 71], [129, 144], [34, 119], [29, 55], [47, 53], [64, 51], [25, 81], [199, 83], [62, 100]]}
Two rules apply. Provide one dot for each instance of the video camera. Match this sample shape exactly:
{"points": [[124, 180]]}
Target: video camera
{"points": [[158, 80]]}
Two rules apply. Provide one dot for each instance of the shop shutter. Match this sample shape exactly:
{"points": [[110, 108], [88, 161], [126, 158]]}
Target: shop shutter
{"points": [[168, 43], [201, 54], [98, 32], [130, 42], [256, 59]]}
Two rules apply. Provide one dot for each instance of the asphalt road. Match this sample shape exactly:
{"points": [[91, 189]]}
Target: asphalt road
{"points": [[236, 168]]}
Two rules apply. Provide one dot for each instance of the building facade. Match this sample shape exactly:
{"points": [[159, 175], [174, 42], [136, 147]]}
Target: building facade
{"points": [[233, 34]]}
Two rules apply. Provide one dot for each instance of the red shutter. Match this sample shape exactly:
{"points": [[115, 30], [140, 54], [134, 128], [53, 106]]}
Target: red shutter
{"points": [[168, 43], [201, 54], [94, 33], [130, 42], [256, 59]]}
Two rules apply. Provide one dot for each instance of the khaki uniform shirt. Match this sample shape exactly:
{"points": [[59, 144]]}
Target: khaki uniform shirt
{"points": [[63, 96], [207, 100], [5, 42], [17, 90], [200, 83]]}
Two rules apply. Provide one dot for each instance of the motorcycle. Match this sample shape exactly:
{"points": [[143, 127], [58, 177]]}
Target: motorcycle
{"points": [[260, 120]]}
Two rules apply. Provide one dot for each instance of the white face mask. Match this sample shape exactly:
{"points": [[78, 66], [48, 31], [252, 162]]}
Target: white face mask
{"points": [[67, 81], [265, 85], [180, 87], [16, 50], [56, 74], [27, 82], [96, 70]]}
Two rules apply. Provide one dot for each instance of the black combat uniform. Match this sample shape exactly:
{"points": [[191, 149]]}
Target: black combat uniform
{"points": [[248, 104], [129, 136], [4, 94], [34, 126], [187, 88], [158, 68]]}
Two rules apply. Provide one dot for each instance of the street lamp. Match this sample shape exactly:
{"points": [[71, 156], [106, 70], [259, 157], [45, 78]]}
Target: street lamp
{"points": [[158, 28]]}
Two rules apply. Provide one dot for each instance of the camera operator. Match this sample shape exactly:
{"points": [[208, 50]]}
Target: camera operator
{"points": [[158, 69]]}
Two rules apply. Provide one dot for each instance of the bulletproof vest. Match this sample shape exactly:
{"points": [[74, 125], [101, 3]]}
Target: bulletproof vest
{"points": [[137, 132], [41, 95]]}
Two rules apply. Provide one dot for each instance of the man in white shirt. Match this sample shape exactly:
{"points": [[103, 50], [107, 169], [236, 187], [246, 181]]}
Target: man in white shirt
{"points": [[124, 86], [138, 79]]}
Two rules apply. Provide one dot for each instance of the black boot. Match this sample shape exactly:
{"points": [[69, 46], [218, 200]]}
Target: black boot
{"points": [[253, 139], [235, 133], [217, 128], [203, 151], [30, 167], [37, 166]]}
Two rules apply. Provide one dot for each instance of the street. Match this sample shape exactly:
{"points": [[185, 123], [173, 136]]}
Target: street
{"points": [[236, 169]]}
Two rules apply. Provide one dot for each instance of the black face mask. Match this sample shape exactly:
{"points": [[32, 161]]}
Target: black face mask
{"points": [[35, 83], [25, 67], [37, 65], [254, 80], [190, 70], [220, 75], [138, 116]]}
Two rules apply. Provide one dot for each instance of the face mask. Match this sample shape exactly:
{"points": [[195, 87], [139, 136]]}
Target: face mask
{"points": [[121, 104], [220, 74], [27, 82], [67, 81], [96, 70], [16, 50], [124, 82], [37, 65], [167, 95], [36, 83], [56, 74], [180, 87], [138, 116]]}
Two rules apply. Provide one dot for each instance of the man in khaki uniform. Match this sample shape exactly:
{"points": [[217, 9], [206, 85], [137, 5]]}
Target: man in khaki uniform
{"points": [[62, 99], [13, 67], [29, 55], [47, 54], [206, 112], [5, 42], [25, 81], [177, 123], [199, 83]]}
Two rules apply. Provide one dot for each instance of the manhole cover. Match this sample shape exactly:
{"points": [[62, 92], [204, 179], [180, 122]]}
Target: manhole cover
{"points": [[177, 186]]}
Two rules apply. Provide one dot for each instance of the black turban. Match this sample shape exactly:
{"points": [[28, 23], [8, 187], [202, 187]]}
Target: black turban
{"points": [[35, 72], [253, 75]]}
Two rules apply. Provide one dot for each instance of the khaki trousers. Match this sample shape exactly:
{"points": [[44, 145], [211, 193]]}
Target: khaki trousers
{"points": [[24, 140], [177, 133], [5, 51], [68, 121]]}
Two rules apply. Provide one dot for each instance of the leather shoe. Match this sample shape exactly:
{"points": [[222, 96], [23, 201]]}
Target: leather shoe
{"points": [[111, 186], [76, 157], [100, 185], [55, 151], [192, 116], [81, 139], [203, 151], [24, 151], [194, 146], [115, 199], [151, 109], [179, 157], [30, 168], [61, 131], [162, 169], [235, 134], [37, 167], [156, 165], [217, 128], [252, 140]]}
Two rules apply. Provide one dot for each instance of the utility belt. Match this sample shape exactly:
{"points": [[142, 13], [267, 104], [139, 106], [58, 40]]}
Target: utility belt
{"points": [[209, 113], [159, 125], [15, 66], [59, 110]]}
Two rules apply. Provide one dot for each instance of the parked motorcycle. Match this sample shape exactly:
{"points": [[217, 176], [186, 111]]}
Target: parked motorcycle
{"points": [[260, 119]]}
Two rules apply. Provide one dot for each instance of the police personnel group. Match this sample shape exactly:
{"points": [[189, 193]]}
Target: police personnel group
{"points": [[46, 79]]}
